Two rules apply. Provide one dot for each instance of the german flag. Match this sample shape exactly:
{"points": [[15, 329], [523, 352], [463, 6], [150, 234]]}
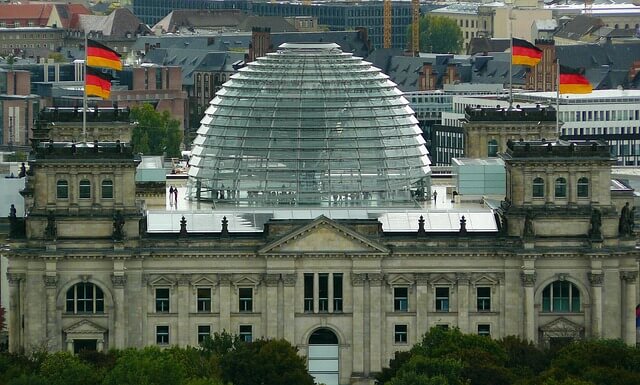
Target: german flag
{"points": [[525, 53], [572, 81], [99, 55], [97, 83]]}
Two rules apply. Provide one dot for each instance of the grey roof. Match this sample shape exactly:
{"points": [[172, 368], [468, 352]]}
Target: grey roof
{"points": [[578, 27], [117, 24], [545, 25], [220, 19]]}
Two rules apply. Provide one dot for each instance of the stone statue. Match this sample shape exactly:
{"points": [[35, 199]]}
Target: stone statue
{"points": [[463, 225], [50, 232], [23, 171], [183, 227], [118, 225], [421, 225], [225, 227], [595, 231], [626, 221], [13, 220], [528, 225]]}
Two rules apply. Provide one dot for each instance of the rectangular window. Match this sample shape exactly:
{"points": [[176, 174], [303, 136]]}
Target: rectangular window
{"points": [[107, 189], [162, 335], [246, 333], [323, 292], [308, 292], [484, 330], [442, 299], [483, 295], [400, 299], [246, 299], [204, 300], [400, 334], [337, 292], [204, 331], [162, 300]]}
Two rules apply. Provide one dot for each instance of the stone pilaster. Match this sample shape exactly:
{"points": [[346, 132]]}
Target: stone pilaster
{"points": [[270, 315], [463, 301], [422, 307], [596, 280], [629, 313], [119, 282], [15, 330], [184, 282], [528, 281], [357, 283], [51, 286], [376, 327], [224, 299], [289, 287]]}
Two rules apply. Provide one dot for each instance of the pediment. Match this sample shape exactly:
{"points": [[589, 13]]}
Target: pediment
{"points": [[484, 280], [161, 281], [400, 280], [246, 281], [562, 327], [203, 281], [85, 327], [441, 280], [324, 236]]}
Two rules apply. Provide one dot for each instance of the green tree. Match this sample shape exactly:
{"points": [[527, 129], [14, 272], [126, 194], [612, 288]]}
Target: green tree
{"points": [[149, 366], [57, 57], [273, 362], [438, 34], [155, 132], [63, 368]]}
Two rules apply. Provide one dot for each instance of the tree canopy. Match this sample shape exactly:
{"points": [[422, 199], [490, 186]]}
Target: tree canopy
{"points": [[438, 34], [155, 133]]}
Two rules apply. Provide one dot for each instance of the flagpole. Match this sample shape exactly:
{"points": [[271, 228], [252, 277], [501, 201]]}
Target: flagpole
{"points": [[511, 60], [84, 89], [558, 97]]}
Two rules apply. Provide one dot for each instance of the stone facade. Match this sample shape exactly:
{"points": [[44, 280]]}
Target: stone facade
{"points": [[101, 279]]}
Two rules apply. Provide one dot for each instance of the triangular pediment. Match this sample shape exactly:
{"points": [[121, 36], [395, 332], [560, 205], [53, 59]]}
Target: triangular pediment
{"points": [[203, 281], [246, 281], [161, 281], [562, 327], [324, 236], [484, 280], [85, 327], [441, 280], [400, 280]]}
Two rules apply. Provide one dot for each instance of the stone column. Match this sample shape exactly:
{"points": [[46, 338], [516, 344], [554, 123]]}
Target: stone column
{"points": [[316, 293], [330, 286], [596, 279], [70, 345], [184, 281], [376, 297], [53, 332], [357, 282], [270, 314], [14, 327], [100, 345], [225, 302], [463, 301], [528, 281], [119, 282], [629, 313], [422, 307], [289, 287]]}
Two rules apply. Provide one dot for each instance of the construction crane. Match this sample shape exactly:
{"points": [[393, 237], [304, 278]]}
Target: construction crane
{"points": [[386, 24], [415, 26]]}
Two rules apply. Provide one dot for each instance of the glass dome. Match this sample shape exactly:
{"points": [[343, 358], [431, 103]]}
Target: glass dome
{"points": [[308, 125]]}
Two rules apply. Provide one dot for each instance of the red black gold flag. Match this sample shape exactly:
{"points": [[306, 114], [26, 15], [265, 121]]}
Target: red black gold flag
{"points": [[99, 55], [525, 53], [572, 81], [97, 83]]}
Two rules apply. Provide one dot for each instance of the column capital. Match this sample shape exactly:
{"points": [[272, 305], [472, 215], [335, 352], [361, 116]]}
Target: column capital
{"points": [[629, 276], [118, 280], [421, 278], [463, 278], [184, 279], [271, 279], [375, 279], [289, 279], [528, 279], [15, 278], [50, 281], [596, 279], [357, 279], [224, 278]]}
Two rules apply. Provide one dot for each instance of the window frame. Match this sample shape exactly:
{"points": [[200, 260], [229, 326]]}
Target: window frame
{"points": [[245, 304], [202, 335], [84, 189], [62, 184], [95, 301], [163, 337], [400, 300], [400, 337], [492, 148], [160, 302], [484, 330], [442, 302], [244, 335], [583, 187], [106, 186], [205, 301], [560, 188], [566, 301], [483, 303], [537, 188]]}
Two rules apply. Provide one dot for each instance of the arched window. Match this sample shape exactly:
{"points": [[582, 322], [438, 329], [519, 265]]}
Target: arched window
{"points": [[107, 189], [85, 297], [492, 148], [85, 189], [62, 189], [538, 187], [561, 297], [583, 188], [561, 188]]}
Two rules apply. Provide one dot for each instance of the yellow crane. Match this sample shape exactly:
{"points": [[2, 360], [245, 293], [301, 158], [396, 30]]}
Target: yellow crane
{"points": [[386, 24], [415, 26]]}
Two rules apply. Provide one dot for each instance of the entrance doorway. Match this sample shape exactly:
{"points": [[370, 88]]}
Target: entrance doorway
{"points": [[79, 345], [324, 357]]}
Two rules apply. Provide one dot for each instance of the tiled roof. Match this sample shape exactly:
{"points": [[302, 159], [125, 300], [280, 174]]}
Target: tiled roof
{"points": [[117, 24], [38, 13]]}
